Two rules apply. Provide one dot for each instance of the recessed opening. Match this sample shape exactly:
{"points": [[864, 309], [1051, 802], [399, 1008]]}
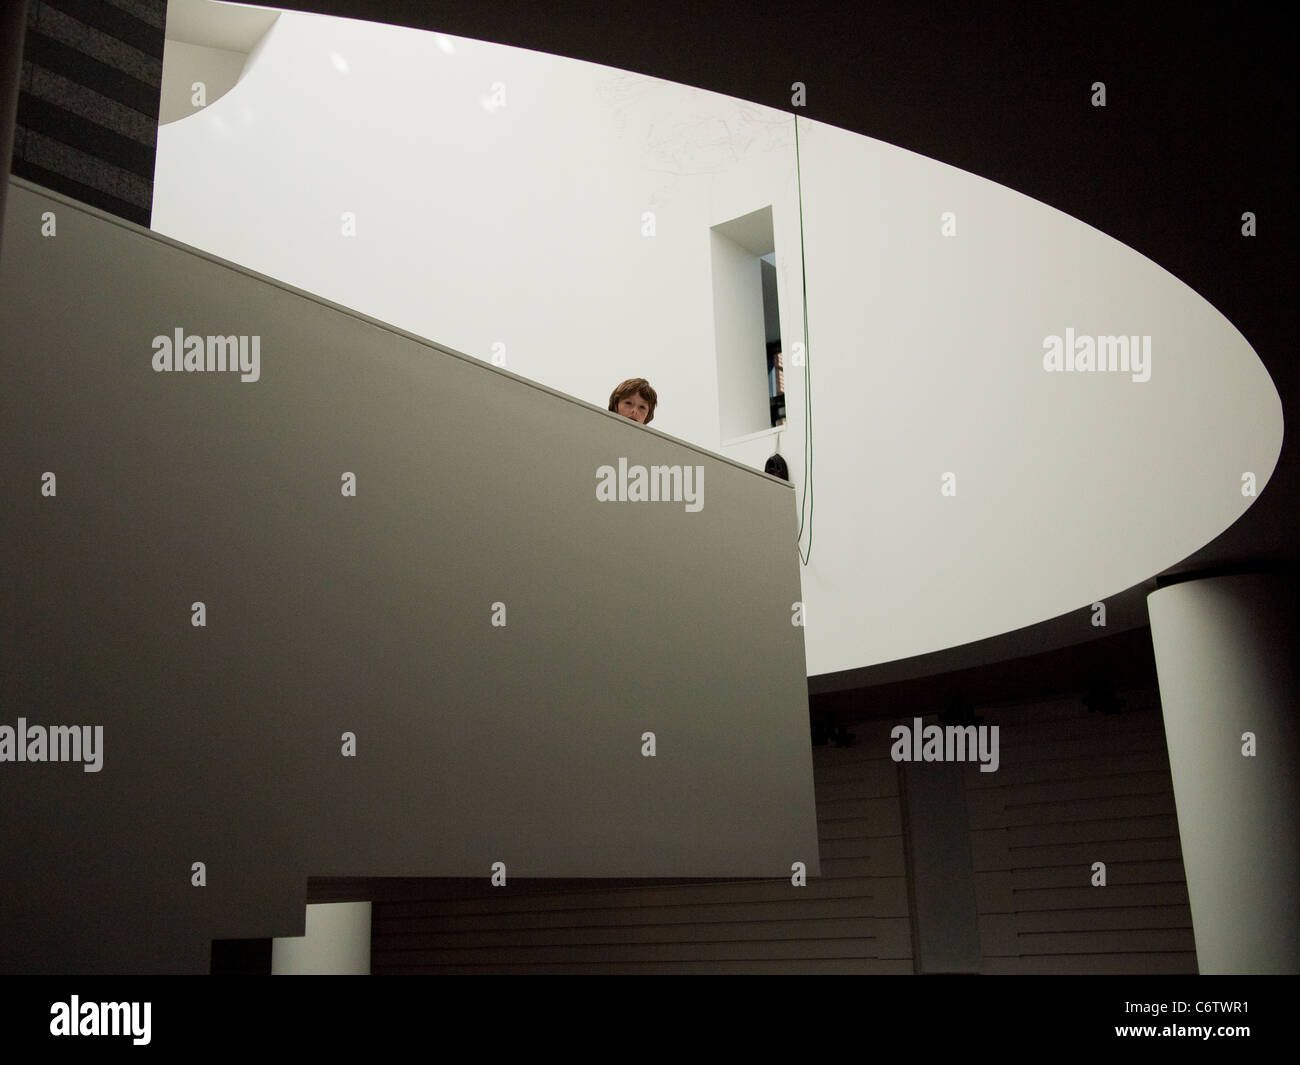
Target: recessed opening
{"points": [[772, 334], [747, 325]]}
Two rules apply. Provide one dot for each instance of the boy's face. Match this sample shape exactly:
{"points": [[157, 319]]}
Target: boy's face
{"points": [[634, 407]]}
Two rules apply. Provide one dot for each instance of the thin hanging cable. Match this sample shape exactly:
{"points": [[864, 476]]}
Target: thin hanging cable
{"points": [[807, 372]]}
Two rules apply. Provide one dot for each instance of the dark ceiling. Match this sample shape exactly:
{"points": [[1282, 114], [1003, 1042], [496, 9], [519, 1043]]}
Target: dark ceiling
{"points": [[1199, 126]]}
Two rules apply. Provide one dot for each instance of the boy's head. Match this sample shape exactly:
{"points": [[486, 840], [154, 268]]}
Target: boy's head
{"points": [[634, 399]]}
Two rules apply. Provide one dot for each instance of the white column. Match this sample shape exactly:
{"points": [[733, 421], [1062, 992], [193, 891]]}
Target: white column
{"points": [[1225, 650], [337, 943]]}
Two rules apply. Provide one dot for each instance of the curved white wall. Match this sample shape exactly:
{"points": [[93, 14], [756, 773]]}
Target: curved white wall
{"points": [[522, 225], [927, 358]]}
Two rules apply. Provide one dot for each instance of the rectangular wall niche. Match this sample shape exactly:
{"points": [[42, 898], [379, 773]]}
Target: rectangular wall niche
{"points": [[746, 325]]}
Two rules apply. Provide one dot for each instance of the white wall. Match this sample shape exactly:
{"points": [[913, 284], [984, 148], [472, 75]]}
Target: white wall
{"points": [[183, 65], [927, 358], [522, 225]]}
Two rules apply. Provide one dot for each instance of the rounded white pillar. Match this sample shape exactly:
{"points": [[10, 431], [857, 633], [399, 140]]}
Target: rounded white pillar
{"points": [[337, 942], [1225, 650]]}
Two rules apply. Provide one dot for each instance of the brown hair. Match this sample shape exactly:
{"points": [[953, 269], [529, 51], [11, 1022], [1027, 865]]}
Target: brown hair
{"points": [[630, 387]]}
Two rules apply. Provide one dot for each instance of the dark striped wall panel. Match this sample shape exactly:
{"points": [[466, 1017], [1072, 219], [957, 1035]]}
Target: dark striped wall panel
{"points": [[1076, 788], [88, 105]]}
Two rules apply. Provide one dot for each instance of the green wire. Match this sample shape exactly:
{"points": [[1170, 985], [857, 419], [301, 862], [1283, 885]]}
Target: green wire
{"points": [[807, 372]]}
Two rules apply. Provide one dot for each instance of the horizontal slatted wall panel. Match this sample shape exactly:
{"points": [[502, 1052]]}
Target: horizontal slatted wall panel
{"points": [[851, 919], [88, 101], [1075, 788]]}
